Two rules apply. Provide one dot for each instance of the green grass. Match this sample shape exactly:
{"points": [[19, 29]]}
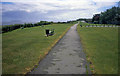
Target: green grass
{"points": [[24, 48], [91, 24], [101, 47]]}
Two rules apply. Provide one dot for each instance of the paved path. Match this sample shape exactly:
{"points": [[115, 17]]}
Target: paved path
{"points": [[66, 57]]}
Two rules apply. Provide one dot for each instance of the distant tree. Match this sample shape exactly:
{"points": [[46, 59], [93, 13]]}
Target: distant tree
{"points": [[96, 18], [110, 16]]}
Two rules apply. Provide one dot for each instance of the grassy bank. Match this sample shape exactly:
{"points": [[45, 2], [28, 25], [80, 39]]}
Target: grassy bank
{"points": [[24, 48], [101, 47]]}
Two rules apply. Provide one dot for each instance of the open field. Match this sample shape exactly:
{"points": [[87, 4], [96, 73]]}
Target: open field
{"points": [[101, 47], [24, 48]]}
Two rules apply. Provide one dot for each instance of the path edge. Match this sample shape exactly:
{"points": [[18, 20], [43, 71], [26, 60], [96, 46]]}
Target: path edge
{"points": [[88, 68]]}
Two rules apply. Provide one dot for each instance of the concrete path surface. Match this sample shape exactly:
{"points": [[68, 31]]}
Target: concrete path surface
{"points": [[66, 57]]}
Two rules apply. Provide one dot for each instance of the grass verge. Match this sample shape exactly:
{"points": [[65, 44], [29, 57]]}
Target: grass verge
{"points": [[24, 48], [101, 47]]}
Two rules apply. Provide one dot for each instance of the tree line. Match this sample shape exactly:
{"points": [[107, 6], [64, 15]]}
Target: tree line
{"points": [[110, 16], [8, 28]]}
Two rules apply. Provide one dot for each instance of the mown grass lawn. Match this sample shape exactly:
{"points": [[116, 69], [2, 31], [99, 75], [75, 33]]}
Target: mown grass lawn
{"points": [[101, 47], [24, 48]]}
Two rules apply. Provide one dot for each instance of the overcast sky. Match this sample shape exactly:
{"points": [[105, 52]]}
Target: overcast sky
{"points": [[20, 11]]}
